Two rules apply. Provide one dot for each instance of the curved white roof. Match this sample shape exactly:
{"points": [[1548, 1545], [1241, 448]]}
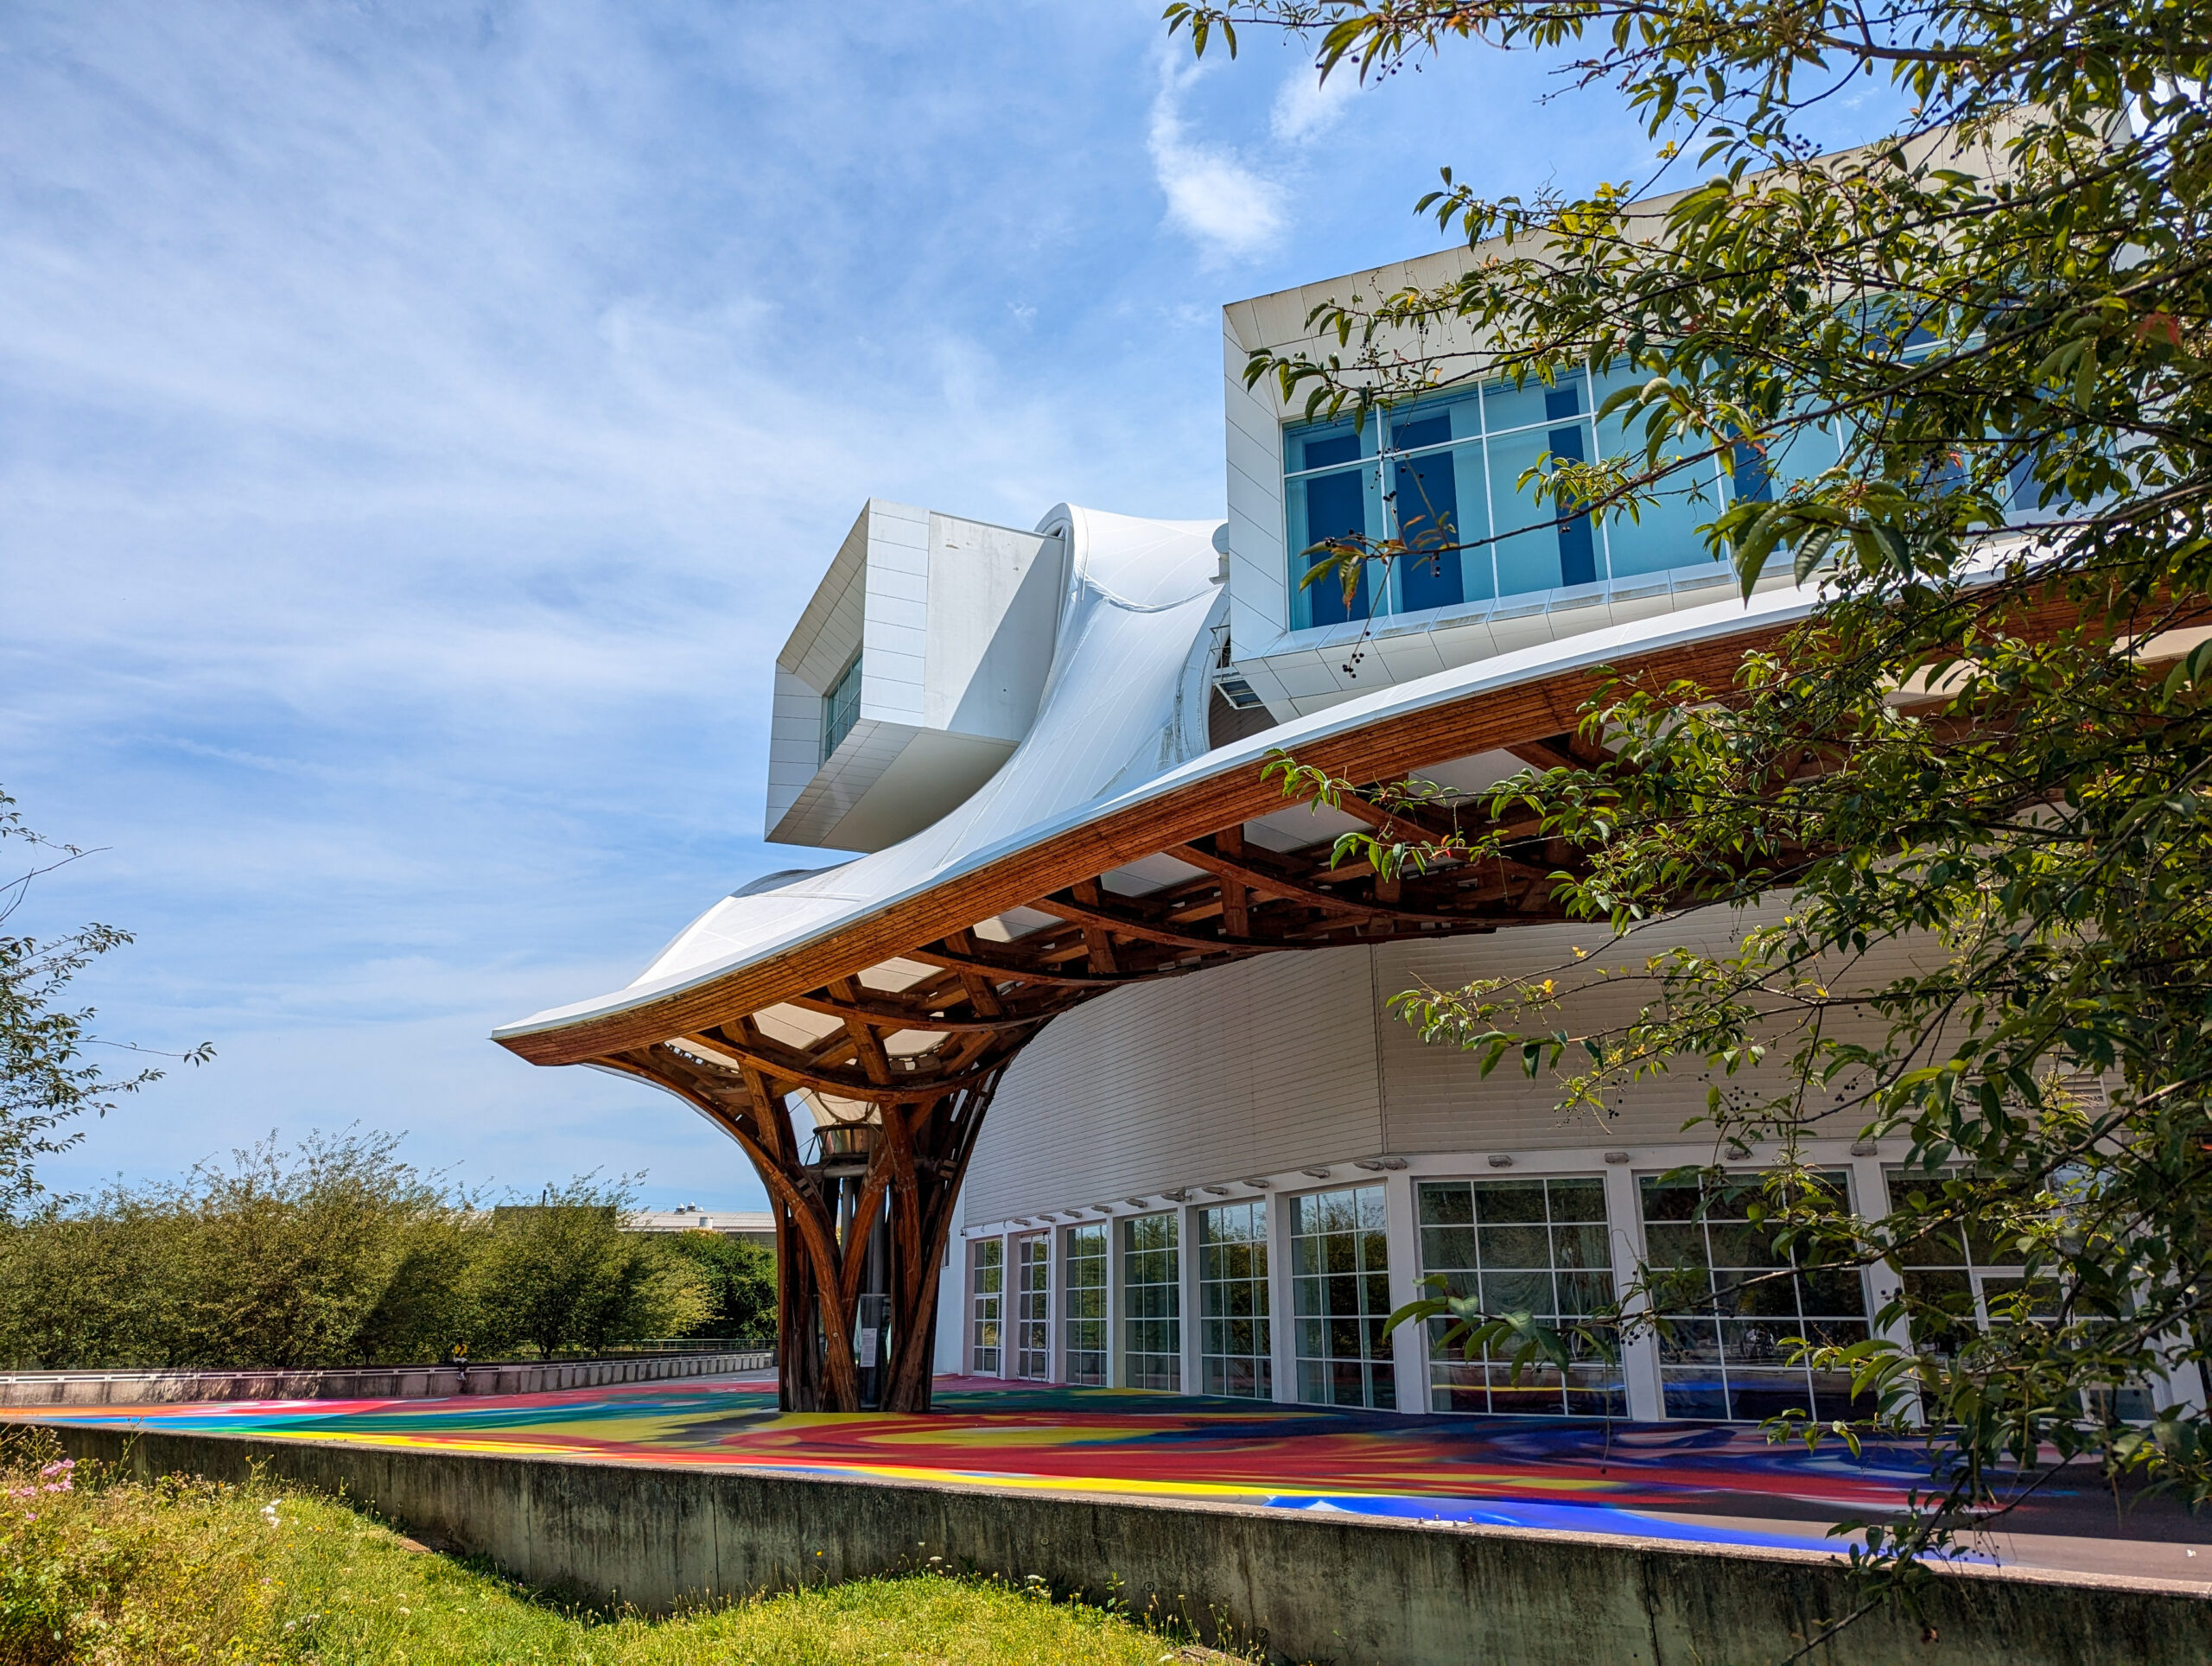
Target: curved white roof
{"points": [[1122, 719]]}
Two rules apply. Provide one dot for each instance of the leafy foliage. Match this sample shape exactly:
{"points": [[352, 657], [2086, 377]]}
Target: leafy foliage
{"points": [[45, 1080], [337, 1253], [739, 1285], [563, 1273], [1945, 844]]}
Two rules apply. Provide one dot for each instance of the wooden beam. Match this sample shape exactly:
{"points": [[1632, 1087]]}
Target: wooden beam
{"points": [[897, 1018], [1125, 925], [1259, 878], [1095, 938], [865, 1042], [937, 957], [1404, 823], [778, 1063], [1236, 900], [982, 995]]}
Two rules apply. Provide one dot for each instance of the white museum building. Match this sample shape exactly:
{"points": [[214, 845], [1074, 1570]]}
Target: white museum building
{"points": [[1206, 1168]]}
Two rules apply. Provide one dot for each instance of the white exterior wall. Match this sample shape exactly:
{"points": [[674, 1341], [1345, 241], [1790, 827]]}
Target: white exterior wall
{"points": [[954, 621], [1282, 1061], [1288, 1073], [1208, 1077]]}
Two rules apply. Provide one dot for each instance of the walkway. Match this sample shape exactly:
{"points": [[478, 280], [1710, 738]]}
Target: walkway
{"points": [[1706, 1483]]}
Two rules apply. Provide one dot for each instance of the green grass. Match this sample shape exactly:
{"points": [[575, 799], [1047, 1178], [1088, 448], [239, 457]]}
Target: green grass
{"points": [[97, 1569]]}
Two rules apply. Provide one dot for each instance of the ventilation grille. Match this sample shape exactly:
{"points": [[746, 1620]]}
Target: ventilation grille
{"points": [[1238, 692]]}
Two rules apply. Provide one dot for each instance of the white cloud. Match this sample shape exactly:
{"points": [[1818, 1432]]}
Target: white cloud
{"points": [[1231, 210], [1305, 107]]}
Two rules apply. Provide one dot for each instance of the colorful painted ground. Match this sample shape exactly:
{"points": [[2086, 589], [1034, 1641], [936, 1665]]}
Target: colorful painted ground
{"points": [[1700, 1482]]}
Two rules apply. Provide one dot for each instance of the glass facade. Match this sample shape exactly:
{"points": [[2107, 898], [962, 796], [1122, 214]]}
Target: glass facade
{"points": [[985, 1308], [1441, 473], [1728, 1310], [1729, 1307], [1959, 1273], [1085, 1302], [1233, 1340], [1340, 1283], [1032, 1306], [840, 707], [1152, 1304], [1538, 1247]]}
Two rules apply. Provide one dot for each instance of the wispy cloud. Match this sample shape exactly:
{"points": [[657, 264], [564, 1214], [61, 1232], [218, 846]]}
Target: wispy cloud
{"points": [[1232, 210], [419, 426], [1307, 108]]}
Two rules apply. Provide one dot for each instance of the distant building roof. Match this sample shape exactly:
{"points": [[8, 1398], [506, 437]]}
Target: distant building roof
{"points": [[741, 1223]]}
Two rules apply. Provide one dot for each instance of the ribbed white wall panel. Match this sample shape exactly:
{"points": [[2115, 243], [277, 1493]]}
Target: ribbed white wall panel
{"points": [[1199, 1079], [1296, 1059]]}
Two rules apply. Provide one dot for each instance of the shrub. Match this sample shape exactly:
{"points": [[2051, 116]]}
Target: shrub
{"points": [[740, 1279], [338, 1253]]}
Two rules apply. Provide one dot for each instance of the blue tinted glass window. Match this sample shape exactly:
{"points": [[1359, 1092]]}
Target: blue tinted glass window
{"points": [[1664, 532], [1336, 507], [1427, 503], [1450, 493], [1541, 554], [1578, 548], [1748, 474], [1428, 430], [1336, 448], [840, 707], [1507, 407]]}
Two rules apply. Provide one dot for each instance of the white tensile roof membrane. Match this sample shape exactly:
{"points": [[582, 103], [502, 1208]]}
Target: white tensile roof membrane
{"points": [[1123, 718]]}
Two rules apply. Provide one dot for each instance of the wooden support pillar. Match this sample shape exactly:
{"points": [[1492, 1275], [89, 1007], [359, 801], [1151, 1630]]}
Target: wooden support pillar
{"points": [[825, 1224]]}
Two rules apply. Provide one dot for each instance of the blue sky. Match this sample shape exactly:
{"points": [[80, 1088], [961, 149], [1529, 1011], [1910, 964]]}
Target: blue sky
{"points": [[419, 426]]}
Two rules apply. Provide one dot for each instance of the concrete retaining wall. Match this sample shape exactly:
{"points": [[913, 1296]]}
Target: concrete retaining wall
{"points": [[1320, 1587], [377, 1383]]}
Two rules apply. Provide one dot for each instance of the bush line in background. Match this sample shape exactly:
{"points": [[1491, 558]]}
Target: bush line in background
{"points": [[339, 1253]]}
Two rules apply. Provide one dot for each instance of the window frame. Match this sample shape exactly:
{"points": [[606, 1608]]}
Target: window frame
{"points": [[987, 1306], [1490, 1374], [1376, 1365], [1378, 471], [1032, 1254], [1163, 1370], [1077, 1332], [840, 706], [1248, 1373]]}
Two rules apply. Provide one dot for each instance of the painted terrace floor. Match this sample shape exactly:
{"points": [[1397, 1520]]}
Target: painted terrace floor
{"points": [[1704, 1483]]}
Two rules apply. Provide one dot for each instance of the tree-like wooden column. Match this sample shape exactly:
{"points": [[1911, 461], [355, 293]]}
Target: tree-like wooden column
{"points": [[921, 1145]]}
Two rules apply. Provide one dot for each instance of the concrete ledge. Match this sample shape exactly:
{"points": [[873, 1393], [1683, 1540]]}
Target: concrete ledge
{"points": [[375, 1382], [1320, 1587]]}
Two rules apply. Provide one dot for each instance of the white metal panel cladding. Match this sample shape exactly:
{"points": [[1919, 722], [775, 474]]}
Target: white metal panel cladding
{"points": [[1287, 1060], [1217, 1075]]}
